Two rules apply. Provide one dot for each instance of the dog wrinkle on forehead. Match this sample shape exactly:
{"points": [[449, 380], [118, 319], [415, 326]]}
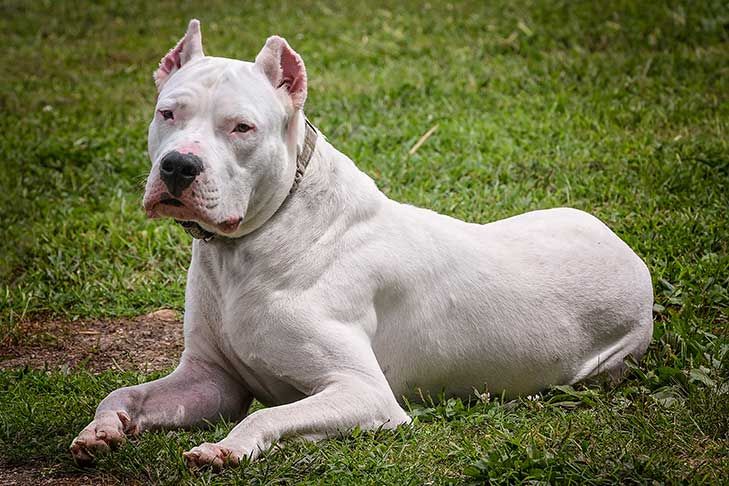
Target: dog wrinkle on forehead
{"points": [[242, 78], [183, 92], [233, 88], [203, 72], [240, 97], [190, 90]]}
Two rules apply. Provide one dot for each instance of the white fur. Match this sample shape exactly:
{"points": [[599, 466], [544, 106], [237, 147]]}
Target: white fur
{"points": [[335, 305]]}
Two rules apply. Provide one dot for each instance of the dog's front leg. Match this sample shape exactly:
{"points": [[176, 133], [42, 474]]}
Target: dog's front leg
{"points": [[348, 390], [194, 392], [333, 411]]}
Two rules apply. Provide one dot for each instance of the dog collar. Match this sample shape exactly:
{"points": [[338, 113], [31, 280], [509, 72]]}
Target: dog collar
{"points": [[302, 160]]}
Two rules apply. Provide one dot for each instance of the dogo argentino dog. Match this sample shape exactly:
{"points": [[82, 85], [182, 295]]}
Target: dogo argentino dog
{"points": [[314, 293]]}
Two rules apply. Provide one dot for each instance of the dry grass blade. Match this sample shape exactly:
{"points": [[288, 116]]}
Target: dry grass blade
{"points": [[423, 139]]}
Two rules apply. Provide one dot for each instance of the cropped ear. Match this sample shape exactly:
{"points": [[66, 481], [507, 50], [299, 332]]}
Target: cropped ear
{"points": [[284, 68], [189, 48]]}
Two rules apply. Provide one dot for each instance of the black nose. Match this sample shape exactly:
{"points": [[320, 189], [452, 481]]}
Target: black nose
{"points": [[179, 170]]}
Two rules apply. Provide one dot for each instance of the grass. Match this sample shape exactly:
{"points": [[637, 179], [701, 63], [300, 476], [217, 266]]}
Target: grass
{"points": [[617, 108]]}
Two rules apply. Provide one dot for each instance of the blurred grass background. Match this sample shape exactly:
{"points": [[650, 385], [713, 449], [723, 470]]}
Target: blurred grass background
{"points": [[618, 108]]}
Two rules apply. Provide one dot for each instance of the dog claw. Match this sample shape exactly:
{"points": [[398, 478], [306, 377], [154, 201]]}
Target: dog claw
{"points": [[81, 456], [100, 436], [212, 455]]}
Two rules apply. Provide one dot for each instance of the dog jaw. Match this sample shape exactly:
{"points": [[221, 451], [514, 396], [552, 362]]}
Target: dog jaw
{"points": [[198, 203]]}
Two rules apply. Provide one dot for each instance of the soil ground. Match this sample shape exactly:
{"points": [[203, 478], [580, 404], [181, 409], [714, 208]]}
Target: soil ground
{"points": [[150, 342]]}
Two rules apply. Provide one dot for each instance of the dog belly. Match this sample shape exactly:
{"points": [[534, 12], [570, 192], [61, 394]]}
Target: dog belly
{"points": [[546, 298], [487, 353], [512, 364]]}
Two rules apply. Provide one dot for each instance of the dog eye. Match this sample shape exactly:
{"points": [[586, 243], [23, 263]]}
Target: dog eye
{"points": [[167, 114], [242, 128]]}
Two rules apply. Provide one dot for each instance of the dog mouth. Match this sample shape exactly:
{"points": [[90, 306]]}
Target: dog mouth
{"points": [[166, 205], [230, 225], [171, 201], [175, 208]]}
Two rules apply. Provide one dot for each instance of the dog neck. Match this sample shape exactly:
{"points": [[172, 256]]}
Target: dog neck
{"points": [[333, 197]]}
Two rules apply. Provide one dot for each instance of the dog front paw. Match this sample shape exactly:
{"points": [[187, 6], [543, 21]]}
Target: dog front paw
{"points": [[216, 456], [104, 433]]}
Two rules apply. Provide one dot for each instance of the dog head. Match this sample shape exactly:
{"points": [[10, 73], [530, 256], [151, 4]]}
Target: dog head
{"points": [[223, 139]]}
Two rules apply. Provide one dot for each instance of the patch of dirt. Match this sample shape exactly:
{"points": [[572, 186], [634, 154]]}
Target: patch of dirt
{"points": [[42, 476], [146, 343]]}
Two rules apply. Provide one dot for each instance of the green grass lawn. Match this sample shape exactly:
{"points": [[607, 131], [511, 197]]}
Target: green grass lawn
{"points": [[617, 108]]}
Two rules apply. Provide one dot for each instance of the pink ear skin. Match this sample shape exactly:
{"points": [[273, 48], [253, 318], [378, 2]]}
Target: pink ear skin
{"points": [[284, 68], [189, 48]]}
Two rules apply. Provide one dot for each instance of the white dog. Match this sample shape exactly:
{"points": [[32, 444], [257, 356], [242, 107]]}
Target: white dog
{"points": [[312, 292]]}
